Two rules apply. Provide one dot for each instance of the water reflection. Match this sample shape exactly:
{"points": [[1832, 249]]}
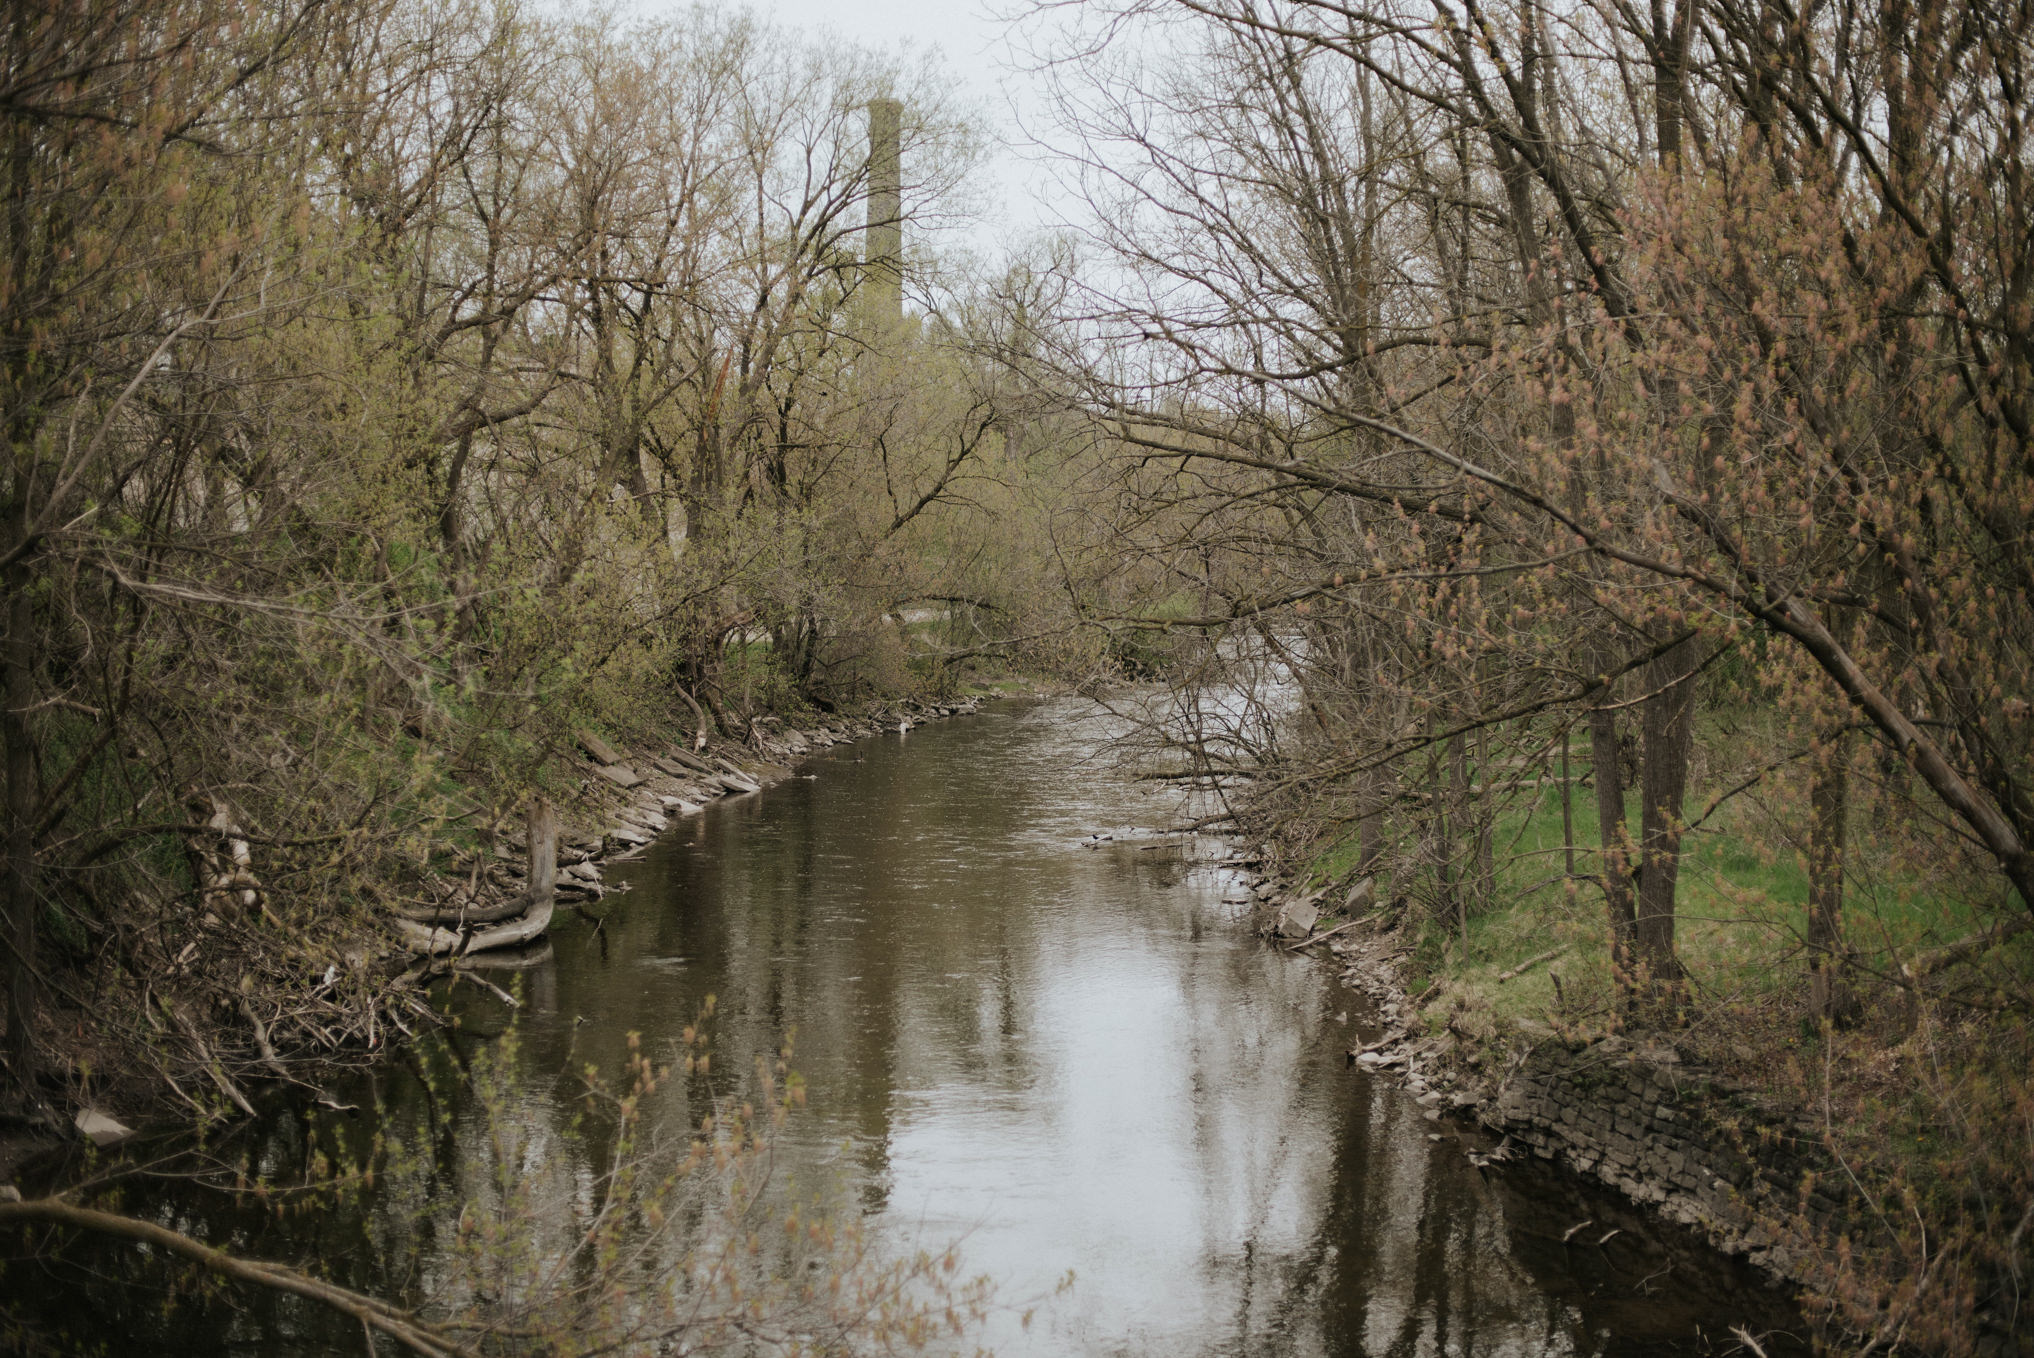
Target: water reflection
{"points": [[1062, 1052], [1065, 1053]]}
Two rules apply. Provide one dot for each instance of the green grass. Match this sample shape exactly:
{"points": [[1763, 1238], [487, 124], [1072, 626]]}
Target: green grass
{"points": [[1924, 1098], [1741, 913], [1333, 863]]}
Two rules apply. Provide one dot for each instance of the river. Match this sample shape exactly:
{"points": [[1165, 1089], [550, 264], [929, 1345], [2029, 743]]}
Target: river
{"points": [[1063, 1052]]}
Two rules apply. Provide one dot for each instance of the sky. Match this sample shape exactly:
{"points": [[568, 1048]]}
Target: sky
{"points": [[1018, 197], [974, 45], [963, 30]]}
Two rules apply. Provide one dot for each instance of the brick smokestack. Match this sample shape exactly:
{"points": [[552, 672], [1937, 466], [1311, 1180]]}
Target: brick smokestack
{"points": [[883, 241]]}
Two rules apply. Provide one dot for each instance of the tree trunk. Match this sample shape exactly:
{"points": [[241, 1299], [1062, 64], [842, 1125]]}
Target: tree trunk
{"points": [[1440, 842], [1667, 724], [1567, 811], [1486, 825], [1376, 794], [18, 749], [1615, 866], [1830, 994], [1462, 818], [542, 876]]}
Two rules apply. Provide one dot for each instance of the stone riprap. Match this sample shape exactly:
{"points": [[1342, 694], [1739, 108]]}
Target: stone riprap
{"points": [[1699, 1147]]}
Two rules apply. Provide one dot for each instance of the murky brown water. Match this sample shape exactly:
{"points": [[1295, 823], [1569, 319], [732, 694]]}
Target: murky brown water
{"points": [[1066, 1054]]}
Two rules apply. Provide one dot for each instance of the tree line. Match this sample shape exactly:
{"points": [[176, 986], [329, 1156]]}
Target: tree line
{"points": [[391, 388], [1637, 397], [1539, 370], [1630, 399]]}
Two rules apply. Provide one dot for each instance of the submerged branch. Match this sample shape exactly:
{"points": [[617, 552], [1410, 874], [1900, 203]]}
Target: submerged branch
{"points": [[377, 1315]]}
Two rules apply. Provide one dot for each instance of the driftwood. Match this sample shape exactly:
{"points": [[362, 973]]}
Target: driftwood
{"points": [[538, 903], [466, 973], [1394, 1036], [211, 1063], [469, 913], [437, 941], [1327, 934], [261, 1042]]}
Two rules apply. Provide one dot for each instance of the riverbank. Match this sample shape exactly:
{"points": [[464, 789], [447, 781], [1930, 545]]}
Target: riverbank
{"points": [[1022, 1027], [363, 991], [619, 797], [1639, 1115], [1719, 1130]]}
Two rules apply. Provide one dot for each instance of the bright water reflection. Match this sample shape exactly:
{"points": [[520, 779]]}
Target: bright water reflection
{"points": [[1067, 1053]]}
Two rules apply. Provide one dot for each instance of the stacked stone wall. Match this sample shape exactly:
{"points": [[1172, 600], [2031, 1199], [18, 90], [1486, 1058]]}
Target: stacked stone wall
{"points": [[1701, 1148]]}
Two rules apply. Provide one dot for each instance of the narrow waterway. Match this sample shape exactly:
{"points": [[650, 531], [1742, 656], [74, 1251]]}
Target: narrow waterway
{"points": [[1065, 1053]]}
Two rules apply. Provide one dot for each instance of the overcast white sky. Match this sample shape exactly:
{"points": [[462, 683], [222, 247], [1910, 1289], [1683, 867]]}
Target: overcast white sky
{"points": [[971, 43], [963, 30]]}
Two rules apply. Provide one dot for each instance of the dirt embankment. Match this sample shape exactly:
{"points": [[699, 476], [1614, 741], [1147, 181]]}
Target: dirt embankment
{"points": [[489, 908], [623, 799]]}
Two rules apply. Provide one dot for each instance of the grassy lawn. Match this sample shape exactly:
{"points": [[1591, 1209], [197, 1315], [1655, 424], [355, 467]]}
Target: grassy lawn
{"points": [[1741, 916]]}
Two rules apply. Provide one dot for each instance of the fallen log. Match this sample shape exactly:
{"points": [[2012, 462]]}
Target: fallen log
{"points": [[436, 942], [1395, 1035], [1327, 934], [539, 902], [464, 972], [469, 913], [211, 1063], [261, 1042], [1940, 959]]}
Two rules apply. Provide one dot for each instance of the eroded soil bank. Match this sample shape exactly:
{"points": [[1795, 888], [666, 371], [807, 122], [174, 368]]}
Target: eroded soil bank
{"points": [[1700, 1147], [612, 801]]}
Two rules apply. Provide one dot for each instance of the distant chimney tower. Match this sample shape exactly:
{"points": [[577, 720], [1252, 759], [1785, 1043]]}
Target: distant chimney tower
{"points": [[883, 241]]}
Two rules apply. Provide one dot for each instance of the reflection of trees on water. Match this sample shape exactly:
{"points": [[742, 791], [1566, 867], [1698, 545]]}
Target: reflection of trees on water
{"points": [[1057, 1049], [1333, 1224], [930, 932]]}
